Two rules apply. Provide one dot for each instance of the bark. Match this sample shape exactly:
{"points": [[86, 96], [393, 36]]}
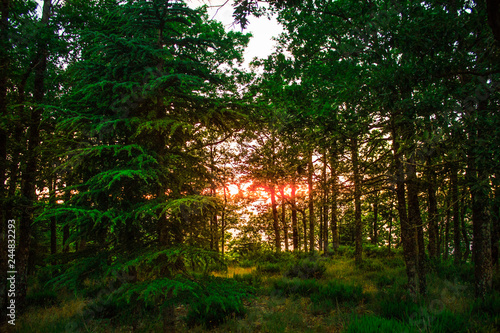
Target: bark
{"points": [[310, 171], [65, 245], [446, 236], [325, 206], [375, 221], [456, 215], [304, 225], [295, 232], [358, 226], [277, 238], [495, 227], [53, 225], [432, 210], [415, 220], [464, 230], [334, 194], [283, 217], [28, 183], [408, 238], [223, 222]]}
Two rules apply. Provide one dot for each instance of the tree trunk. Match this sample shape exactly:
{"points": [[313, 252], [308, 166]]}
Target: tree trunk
{"points": [[283, 217], [277, 238], [408, 237], [310, 171], [295, 232], [415, 221], [375, 221], [334, 222], [325, 205], [432, 210], [223, 222], [28, 183], [358, 226], [456, 215], [464, 230]]}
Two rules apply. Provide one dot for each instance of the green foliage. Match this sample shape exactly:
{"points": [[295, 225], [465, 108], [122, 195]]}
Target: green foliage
{"points": [[270, 267], [296, 286], [328, 297], [43, 298], [306, 269], [246, 263], [371, 265], [254, 280], [376, 324], [394, 304], [451, 271], [490, 305]]}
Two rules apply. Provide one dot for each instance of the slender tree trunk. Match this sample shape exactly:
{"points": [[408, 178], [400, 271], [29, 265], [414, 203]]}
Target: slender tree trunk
{"points": [[283, 217], [408, 237], [495, 227], [432, 210], [53, 225], [325, 204], [277, 238], [304, 225], [375, 221], [223, 221], [310, 171], [464, 230], [358, 226], [334, 222], [295, 233], [28, 184], [456, 215], [65, 245], [416, 221], [446, 236]]}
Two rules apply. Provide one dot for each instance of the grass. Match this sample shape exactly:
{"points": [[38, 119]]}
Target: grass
{"points": [[344, 297]]}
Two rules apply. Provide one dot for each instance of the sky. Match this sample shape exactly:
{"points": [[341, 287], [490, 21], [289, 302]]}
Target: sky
{"points": [[263, 30]]}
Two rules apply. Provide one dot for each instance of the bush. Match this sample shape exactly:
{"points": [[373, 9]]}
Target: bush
{"points": [[344, 251], [327, 297], [394, 304], [254, 280], [215, 300], [375, 324], [374, 251], [274, 257], [490, 305], [246, 263], [271, 268], [306, 269], [297, 287], [371, 265], [449, 271], [446, 322], [42, 298]]}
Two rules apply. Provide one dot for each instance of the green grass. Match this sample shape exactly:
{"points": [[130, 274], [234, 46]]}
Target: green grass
{"points": [[342, 297]]}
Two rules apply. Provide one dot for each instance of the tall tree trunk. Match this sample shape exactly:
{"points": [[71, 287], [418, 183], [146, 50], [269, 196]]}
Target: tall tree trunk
{"points": [[223, 221], [446, 227], [432, 211], [304, 225], [416, 221], [295, 232], [464, 229], [65, 245], [456, 215], [375, 221], [334, 221], [495, 227], [283, 217], [358, 226], [28, 183], [53, 225], [325, 204], [277, 238], [310, 171], [408, 237]]}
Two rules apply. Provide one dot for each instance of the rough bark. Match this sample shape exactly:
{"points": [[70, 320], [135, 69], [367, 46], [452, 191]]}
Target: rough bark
{"points": [[310, 171], [432, 211], [283, 217], [415, 220], [334, 195], [358, 226], [28, 183], [374, 239], [325, 205], [277, 237], [295, 232], [457, 251], [408, 237]]}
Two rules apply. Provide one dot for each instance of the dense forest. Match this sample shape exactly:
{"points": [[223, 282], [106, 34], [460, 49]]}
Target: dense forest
{"points": [[151, 182]]}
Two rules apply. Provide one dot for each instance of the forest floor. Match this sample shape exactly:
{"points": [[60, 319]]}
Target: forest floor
{"points": [[312, 295]]}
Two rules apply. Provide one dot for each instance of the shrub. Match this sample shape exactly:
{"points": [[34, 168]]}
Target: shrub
{"points": [[490, 305], [246, 263], [447, 322], [375, 324], [327, 297], [373, 265], [254, 280], [42, 298], [394, 304], [306, 269], [268, 267], [449, 271], [298, 287]]}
